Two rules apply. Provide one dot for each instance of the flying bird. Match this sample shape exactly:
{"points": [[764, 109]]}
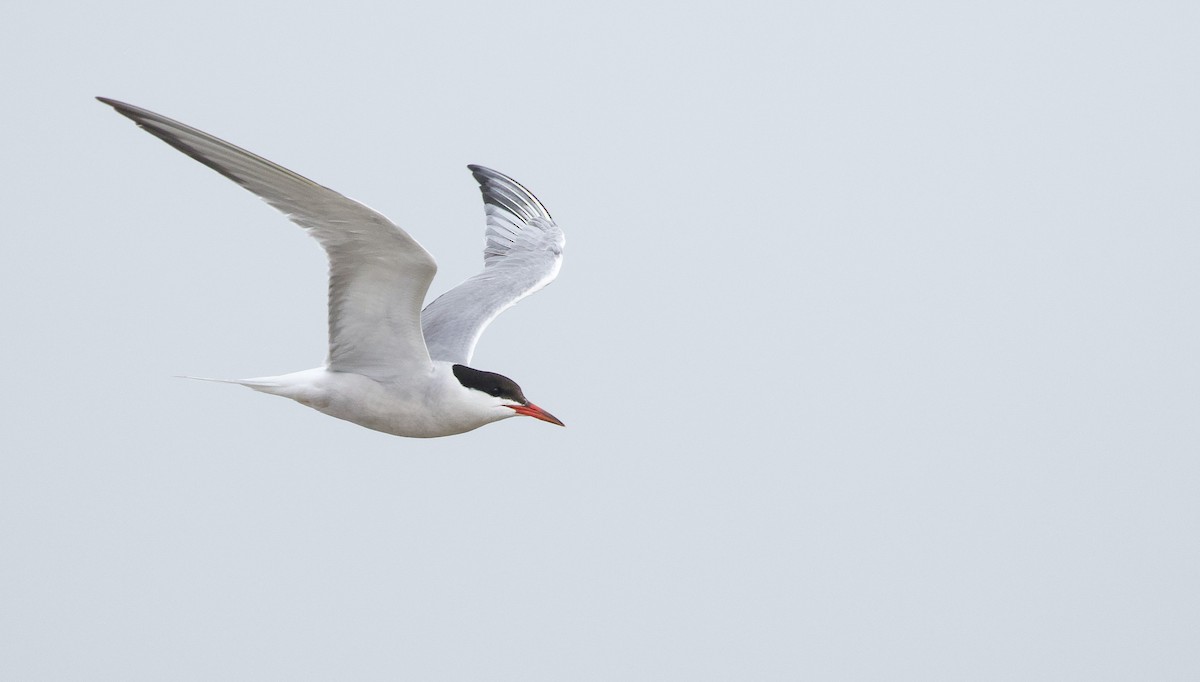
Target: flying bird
{"points": [[393, 366]]}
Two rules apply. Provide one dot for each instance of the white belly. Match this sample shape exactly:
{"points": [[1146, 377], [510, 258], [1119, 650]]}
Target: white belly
{"points": [[428, 408]]}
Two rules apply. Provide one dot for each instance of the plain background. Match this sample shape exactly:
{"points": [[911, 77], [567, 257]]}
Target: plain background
{"points": [[876, 341]]}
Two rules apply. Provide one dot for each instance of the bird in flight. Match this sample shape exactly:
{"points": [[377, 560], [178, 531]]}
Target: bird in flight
{"points": [[393, 366]]}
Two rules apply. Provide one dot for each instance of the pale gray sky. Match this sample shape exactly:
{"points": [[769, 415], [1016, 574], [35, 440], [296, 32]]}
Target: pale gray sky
{"points": [[876, 338]]}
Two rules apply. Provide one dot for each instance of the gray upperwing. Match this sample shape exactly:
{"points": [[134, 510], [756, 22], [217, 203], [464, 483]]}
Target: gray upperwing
{"points": [[378, 274]]}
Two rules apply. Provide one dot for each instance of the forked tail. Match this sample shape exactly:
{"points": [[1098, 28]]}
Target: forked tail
{"points": [[266, 385]]}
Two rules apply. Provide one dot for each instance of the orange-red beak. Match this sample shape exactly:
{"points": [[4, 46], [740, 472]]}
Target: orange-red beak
{"points": [[536, 412]]}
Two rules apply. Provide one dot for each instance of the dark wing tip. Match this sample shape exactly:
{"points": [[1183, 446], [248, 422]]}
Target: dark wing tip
{"points": [[172, 131], [484, 175], [501, 190], [124, 109], [148, 120]]}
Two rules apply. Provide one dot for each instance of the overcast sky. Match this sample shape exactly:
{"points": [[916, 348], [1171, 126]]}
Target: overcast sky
{"points": [[875, 337]]}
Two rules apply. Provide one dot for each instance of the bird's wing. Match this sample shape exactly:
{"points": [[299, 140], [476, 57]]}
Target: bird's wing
{"points": [[378, 275], [523, 253]]}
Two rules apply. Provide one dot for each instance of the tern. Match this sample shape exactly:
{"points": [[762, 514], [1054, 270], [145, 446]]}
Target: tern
{"points": [[393, 366]]}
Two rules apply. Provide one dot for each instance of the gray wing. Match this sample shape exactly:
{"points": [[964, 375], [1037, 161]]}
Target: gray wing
{"points": [[523, 253], [378, 275]]}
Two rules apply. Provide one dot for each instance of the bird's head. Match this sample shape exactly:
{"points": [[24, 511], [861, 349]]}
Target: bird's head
{"points": [[496, 391]]}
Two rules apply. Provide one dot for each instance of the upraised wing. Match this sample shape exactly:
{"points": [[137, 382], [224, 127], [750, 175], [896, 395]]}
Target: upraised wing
{"points": [[378, 274], [523, 253]]}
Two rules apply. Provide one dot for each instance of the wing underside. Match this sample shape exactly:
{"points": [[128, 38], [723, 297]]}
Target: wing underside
{"points": [[522, 253]]}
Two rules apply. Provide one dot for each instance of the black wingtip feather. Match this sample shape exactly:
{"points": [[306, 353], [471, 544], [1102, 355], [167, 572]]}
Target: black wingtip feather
{"points": [[492, 184]]}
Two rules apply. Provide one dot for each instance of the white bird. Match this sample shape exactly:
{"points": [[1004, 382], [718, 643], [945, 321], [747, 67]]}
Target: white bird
{"points": [[392, 366]]}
